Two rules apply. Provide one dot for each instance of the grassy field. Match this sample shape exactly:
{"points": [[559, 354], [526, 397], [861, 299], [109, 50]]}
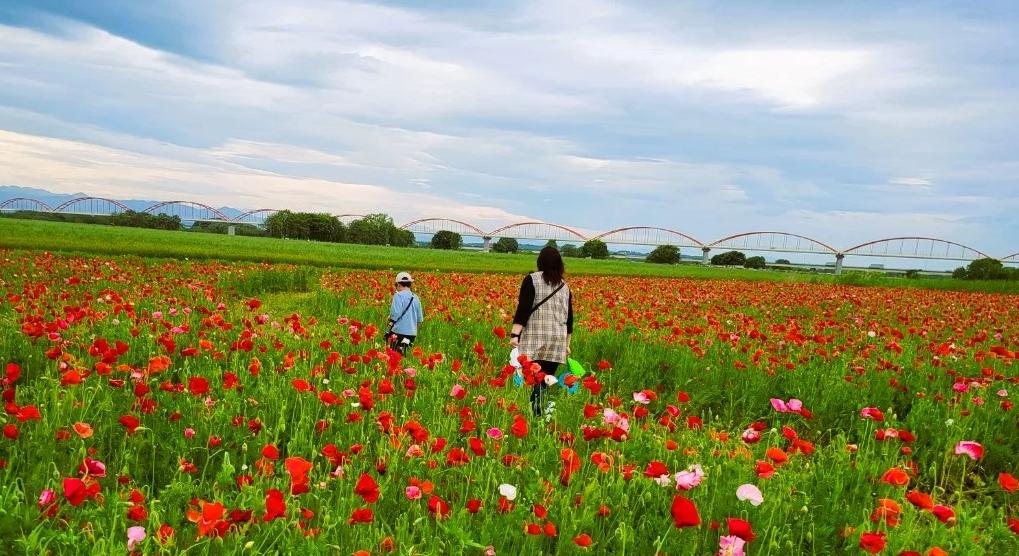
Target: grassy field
{"points": [[203, 407], [108, 240]]}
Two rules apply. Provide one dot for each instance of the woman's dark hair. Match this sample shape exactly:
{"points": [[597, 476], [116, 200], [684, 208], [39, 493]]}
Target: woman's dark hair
{"points": [[550, 263]]}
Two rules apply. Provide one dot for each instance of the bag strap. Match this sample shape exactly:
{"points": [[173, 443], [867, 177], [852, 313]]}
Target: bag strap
{"points": [[542, 302], [405, 309]]}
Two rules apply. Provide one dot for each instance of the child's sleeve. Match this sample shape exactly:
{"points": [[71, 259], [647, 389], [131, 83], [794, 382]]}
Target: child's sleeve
{"points": [[392, 310], [421, 310]]}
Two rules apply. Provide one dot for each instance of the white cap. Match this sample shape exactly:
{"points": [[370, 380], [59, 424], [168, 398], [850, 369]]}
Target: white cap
{"points": [[404, 277]]}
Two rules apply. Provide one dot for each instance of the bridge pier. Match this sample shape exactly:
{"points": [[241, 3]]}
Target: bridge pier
{"points": [[704, 256], [231, 230], [838, 263], [488, 244]]}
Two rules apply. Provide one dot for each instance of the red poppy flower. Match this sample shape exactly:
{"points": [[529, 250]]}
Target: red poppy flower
{"points": [[275, 506], [438, 507], [130, 422], [887, 511], [1008, 482], [582, 540], [896, 477], [75, 491], [873, 542], [198, 386], [473, 505], [776, 455], [684, 512], [920, 499], [519, 427], [764, 469], [740, 528], [361, 515], [945, 514], [367, 488], [571, 464], [655, 469]]}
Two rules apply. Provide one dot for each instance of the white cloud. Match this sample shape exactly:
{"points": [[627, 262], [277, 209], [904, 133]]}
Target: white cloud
{"points": [[70, 166], [920, 183]]}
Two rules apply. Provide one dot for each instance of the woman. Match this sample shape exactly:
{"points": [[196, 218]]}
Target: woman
{"points": [[543, 323]]}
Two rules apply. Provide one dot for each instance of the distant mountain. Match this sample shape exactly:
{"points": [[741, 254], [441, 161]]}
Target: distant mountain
{"points": [[56, 199]]}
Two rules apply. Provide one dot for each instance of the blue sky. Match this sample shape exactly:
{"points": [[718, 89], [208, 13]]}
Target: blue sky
{"points": [[844, 121]]}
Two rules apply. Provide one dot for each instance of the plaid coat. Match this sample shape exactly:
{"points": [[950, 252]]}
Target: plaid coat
{"points": [[544, 337]]}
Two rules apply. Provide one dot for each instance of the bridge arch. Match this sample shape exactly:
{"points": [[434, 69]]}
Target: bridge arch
{"points": [[916, 247], [257, 216], [24, 203], [773, 241], [92, 205], [538, 230], [348, 218], [188, 210], [649, 235], [1013, 258], [434, 225]]}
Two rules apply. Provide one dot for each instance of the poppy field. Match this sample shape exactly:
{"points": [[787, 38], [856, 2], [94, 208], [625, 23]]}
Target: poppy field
{"points": [[170, 406]]}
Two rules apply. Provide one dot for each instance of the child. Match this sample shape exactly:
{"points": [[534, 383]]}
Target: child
{"points": [[405, 314]]}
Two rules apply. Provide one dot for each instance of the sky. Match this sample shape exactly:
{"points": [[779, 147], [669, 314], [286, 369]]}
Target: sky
{"points": [[842, 121]]}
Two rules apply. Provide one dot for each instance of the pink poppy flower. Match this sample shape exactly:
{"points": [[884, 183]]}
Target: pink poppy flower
{"points": [[969, 448], [46, 498], [731, 545], [457, 391], [686, 480], [779, 405], [494, 433], [750, 493], [872, 413], [135, 535], [641, 397], [413, 493]]}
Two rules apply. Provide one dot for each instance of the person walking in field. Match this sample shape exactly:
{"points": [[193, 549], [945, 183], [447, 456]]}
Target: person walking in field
{"points": [[405, 314], [543, 322]]}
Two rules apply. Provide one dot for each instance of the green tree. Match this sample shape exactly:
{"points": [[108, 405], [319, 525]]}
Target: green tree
{"points": [[375, 229], [552, 243], [959, 273], [402, 238], [595, 249], [570, 250], [506, 245], [755, 262], [305, 225], [783, 261], [445, 239], [664, 254], [913, 273], [986, 269], [729, 258]]}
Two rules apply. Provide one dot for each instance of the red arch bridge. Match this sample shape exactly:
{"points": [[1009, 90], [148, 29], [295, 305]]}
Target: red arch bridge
{"points": [[907, 247]]}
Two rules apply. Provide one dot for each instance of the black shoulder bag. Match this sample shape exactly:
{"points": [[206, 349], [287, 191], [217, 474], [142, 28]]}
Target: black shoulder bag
{"points": [[549, 296]]}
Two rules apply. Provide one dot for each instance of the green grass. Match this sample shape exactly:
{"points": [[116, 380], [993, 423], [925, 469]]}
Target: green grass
{"points": [[89, 239]]}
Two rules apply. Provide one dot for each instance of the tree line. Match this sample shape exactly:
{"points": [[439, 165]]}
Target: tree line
{"points": [[373, 229]]}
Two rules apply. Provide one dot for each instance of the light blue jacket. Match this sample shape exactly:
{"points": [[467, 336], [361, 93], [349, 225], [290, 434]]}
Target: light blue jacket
{"points": [[406, 325]]}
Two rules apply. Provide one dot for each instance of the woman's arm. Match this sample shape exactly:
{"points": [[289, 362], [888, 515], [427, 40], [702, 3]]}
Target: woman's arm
{"points": [[524, 303], [569, 325]]}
